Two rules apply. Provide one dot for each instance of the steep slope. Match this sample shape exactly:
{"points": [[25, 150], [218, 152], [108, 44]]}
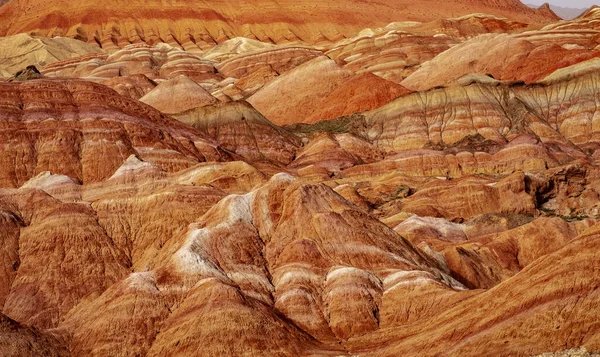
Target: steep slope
{"points": [[268, 22], [556, 297], [227, 259], [293, 97], [528, 56], [358, 94], [171, 215], [86, 131], [20, 51], [320, 90], [237, 265], [551, 110], [177, 95], [240, 128], [17, 340], [41, 298]]}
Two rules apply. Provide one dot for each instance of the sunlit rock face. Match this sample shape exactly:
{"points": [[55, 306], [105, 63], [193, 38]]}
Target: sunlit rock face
{"points": [[178, 94], [114, 24], [22, 50], [238, 127], [161, 61], [524, 56], [557, 111], [395, 51], [134, 86], [253, 256], [86, 131]]}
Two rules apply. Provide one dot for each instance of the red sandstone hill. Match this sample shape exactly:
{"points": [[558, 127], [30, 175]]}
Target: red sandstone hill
{"points": [[115, 23], [464, 215]]}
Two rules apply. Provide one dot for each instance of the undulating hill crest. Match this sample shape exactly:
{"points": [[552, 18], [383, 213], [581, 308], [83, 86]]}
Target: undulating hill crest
{"points": [[21, 50], [198, 24], [312, 80], [86, 131]]}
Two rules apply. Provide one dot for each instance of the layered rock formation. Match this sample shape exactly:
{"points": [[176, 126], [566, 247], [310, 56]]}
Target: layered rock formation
{"points": [[195, 266], [240, 128], [395, 51], [21, 50], [113, 26], [527, 56], [178, 95], [483, 110], [152, 205], [86, 131], [546, 291], [299, 91], [134, 86], [156, 62], [320, 90], [334, 153], [359, 94]]}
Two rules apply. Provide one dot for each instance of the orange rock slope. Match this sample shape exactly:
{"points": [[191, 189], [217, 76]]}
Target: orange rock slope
{"points": [[86, 131], [198, 24], [240, 257], [528, 56]]}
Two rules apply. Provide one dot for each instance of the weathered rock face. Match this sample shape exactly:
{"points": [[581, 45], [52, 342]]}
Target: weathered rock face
{"points": [[294, 96], [109, 231], [545, 289], [156, 62], [333, 153], [42, 299], [278, 58], [287, 21], [244, 67], [86, 131], [527, 56], [319, 90], [358, 94], [383, 221], [178, 95], [238, 127], [391, 53], [134, 86], [18, 340], [494, 258], [215, 262], [239, 262], [395, 51], [494, 112], [20, 51]]}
